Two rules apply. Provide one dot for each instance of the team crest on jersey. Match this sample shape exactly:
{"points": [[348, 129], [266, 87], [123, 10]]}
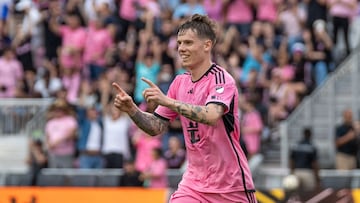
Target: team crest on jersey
{"points": [[219, 89]]}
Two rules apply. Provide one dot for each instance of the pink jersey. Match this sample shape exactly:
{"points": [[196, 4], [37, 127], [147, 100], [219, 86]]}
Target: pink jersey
{"points": [[216, 163]]}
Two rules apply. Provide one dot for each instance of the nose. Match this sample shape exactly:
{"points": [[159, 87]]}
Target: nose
{"points": [[180, 47]]}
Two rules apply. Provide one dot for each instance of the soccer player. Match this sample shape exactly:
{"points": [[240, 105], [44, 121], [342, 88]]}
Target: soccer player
{"points": [[206, 99]]}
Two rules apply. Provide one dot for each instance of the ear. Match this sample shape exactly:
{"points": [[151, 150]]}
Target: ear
{"points": [[208, 45]]}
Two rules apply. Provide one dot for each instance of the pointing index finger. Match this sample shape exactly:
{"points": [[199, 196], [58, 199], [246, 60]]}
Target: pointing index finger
{"points": [[151, 84], [118, 88]]}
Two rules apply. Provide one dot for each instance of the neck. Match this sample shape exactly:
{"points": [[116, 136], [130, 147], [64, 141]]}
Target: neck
{"points": [[197, 73]]}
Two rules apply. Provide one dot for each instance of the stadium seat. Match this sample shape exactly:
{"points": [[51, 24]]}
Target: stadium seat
{"points": [[17, 179], [108, 180], [51, 180], [82, 180]]}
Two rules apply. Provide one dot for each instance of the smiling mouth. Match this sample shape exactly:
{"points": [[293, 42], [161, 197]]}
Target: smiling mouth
{"points": [[184, 57]]}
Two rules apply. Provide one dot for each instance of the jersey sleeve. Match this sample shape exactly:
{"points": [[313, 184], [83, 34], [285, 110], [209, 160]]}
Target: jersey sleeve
{"points": [[164, 112], [222, 93]]}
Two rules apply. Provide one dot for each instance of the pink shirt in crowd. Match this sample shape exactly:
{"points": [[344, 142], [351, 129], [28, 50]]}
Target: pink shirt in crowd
{"points": [[158, 172], [252, 123], [213, 9], [127, 10], [144, 147], [267, 10], [239, 12], [291, 22], [341, 10], [11, 71], [58, 128], [216, 162], [287, 72], [97, 42], [72, 39]]}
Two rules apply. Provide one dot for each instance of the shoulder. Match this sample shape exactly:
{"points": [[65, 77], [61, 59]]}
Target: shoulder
{"points": [[219, 75]]}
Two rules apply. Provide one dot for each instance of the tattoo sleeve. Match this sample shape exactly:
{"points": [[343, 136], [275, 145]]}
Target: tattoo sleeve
{"points": [[202, 114], [149, 123]]}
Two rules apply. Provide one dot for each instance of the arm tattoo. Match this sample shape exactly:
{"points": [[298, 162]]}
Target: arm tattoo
{"points": [[196, 113], [149, 123]]}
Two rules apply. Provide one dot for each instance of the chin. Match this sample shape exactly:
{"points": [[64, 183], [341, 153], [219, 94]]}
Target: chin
{"points": [[186, 65]]}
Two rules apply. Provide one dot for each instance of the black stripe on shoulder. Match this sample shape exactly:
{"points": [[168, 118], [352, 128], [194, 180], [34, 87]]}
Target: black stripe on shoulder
{"points": [[161, 117], [218, 74], [211, 70]]}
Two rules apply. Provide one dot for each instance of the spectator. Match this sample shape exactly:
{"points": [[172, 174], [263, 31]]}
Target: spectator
{"points": [[131, 176], [302, 82], [243, 21], [319, 48], [280, 98], [251, 128], [292, 20], [96, 48], [127, 14], [5, 40], [90, 138], [52, 41], [26, 88], [37, 157], [155, 176], [28, 36], [147, 63], [71, 54], [346, 142], [304, 163], [176, 154], [11, 74], [315, 10], [214, 9], [60, 132], [341, 12], [267, 10], [116, 145]]}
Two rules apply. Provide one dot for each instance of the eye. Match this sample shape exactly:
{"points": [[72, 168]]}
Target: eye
{"points": [[188, 42]]}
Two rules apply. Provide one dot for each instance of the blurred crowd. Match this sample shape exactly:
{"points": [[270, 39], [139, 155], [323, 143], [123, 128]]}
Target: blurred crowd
{"points": [[278, 51]]}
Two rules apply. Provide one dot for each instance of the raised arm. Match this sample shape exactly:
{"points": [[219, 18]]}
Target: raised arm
{"points": [[208, 114], [148, 122]]}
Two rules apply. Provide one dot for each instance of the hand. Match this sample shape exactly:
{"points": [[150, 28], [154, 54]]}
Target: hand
{"points": [[154, 94], [123, 101]]}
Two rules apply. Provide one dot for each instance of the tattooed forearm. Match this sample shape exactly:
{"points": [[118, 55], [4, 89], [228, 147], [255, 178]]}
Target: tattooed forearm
{"points": [[203, 114], [149, 123]]}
